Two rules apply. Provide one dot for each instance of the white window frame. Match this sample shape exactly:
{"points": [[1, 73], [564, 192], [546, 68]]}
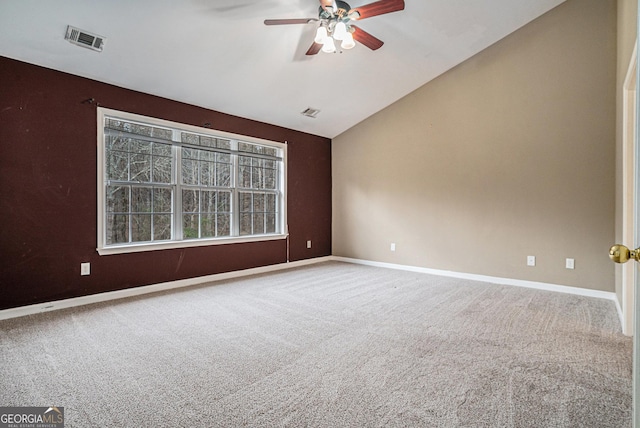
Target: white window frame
{"points": [[177, 242]]}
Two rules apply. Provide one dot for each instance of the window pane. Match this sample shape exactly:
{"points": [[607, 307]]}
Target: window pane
{"points": [[117, 199], [162, 227], [224, 224], [114, 124], [207, 174], [257, 181], [139, 129], [117, 165], [207, 141], [117, 229], [190, 226], [270, 202], [161, 169], [161, 149], [120, 144], [244, 176], [271, 223], [224, 202], [223, 175], [258, 202], [189, 153], [270, 179], [189, 138], [162, 200], [206, 156], [271, 151], [245, 224], [142, 147], [207, 226], [141, 200], [189, 171], [140, 168], [165, 134], [258, 223], [190, 201], [245, 202], [208, 201], [140, 227]]}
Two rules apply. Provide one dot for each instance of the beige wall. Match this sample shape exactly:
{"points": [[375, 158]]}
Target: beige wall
{"points": [[510, 154], [627, 29]]}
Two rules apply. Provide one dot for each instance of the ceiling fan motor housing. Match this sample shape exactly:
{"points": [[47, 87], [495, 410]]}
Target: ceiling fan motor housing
{"points": [[340, 10]]}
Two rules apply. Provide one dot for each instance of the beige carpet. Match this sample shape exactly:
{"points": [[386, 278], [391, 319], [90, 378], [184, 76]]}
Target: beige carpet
{"points": [[329, 345]]}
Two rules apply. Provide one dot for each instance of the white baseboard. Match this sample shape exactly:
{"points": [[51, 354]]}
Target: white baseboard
{"points": [[137, 291], [491, 279]]}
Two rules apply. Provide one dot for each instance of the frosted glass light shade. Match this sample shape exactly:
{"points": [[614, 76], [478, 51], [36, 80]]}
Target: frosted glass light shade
{"points": [[340, 31], [329, 46], [347, 42], [321, 35]]}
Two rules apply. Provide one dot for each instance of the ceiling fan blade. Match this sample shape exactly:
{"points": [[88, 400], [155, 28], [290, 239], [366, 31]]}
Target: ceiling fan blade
{"points": [[314, 49], [366, 39], [289, 21], [377, 8]]}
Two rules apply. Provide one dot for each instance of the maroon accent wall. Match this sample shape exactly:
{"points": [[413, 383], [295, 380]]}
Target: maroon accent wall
{"points": [[48, 191]]}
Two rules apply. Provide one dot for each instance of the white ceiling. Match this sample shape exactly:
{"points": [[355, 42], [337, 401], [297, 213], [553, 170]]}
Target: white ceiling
{"points": [[218, 54]]}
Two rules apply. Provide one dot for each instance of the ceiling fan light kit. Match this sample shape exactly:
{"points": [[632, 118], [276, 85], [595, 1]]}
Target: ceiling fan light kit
{"points": [[328, 45], [335, 17], [348, 42], [340, 31], [321, 35]]}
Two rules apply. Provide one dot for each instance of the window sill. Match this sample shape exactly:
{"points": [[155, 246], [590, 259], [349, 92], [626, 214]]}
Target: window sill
{"points": [[137, 248]]}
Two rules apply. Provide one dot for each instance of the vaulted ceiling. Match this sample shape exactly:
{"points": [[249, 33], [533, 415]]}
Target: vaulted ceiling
{"points": [[218, 54]]}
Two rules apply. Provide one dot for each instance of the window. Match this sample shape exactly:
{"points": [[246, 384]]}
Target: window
{"points": [[164, 185]]}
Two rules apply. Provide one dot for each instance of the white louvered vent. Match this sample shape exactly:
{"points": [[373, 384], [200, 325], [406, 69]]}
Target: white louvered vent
{"points": [[84, 38], [310, 112]]}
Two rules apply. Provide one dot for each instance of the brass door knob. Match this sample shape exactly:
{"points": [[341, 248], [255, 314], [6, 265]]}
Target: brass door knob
{"points": [[621, 254]]}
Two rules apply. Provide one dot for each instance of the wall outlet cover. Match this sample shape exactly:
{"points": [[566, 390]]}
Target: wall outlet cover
{"points": [[85, 269]]}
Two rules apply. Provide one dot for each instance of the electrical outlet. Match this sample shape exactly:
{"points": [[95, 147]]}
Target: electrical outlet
{"points": [[85, 269], [531, 260], [570, 264], [309, 243], [393, 246]]}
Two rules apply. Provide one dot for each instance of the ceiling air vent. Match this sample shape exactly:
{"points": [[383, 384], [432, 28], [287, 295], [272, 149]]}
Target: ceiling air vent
{"points": [[310, 112], [84, 38]]}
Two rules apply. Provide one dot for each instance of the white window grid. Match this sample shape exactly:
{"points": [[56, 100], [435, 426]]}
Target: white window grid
{"points": [[219, 148]]}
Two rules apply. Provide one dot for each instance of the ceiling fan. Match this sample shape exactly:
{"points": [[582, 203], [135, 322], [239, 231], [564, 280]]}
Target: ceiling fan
{"points": [[336, 17]]}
